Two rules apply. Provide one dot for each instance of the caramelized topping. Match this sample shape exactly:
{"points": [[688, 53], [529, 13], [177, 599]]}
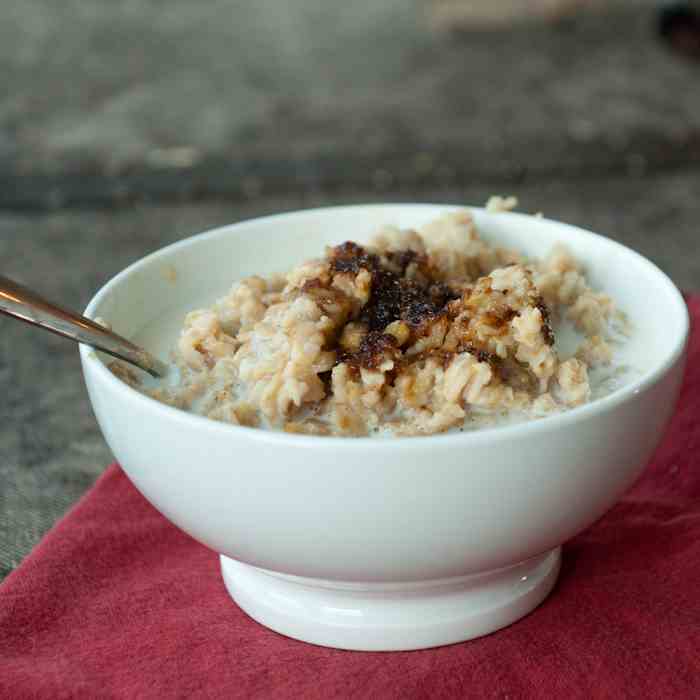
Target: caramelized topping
{"points": [[547, 331], [411, 305], [393, 296], [481, 355], [373, 350], [350, 257]]}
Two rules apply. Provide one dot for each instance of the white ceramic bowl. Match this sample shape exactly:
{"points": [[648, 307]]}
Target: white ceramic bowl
{"points": [[378, 544]]}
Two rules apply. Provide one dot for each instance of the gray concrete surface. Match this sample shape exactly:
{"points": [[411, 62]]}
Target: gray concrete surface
{"points": [[143, 86], [126, 126]]}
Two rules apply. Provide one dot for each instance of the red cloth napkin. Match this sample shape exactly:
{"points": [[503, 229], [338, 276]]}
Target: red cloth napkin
{"points": [[117, 603]]}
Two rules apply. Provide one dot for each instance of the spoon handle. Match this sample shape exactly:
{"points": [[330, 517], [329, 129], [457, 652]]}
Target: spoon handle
{"points": [[22, 303]]}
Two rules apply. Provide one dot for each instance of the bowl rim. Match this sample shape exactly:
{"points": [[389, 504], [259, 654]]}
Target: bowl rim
{"points": [[93, 365]]}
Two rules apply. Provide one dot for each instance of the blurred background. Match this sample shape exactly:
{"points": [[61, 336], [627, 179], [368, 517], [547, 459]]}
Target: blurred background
{"points": [[125, 126]]}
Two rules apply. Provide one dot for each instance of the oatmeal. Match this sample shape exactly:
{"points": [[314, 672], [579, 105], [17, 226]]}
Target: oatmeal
{"points": [[418, 332]]}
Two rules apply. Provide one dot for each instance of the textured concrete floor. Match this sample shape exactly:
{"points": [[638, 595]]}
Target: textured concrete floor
{"points": [[189, 99], [126, 126]]}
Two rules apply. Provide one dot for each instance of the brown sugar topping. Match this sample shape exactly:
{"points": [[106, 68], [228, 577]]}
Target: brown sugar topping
{"points": [[482, 355], [418, 304], [393, 297], [351, 257], [374, 348], [547, 331]]}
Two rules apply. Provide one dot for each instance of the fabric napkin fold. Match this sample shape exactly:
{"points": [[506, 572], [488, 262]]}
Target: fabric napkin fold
{"points": [[115, 602]]}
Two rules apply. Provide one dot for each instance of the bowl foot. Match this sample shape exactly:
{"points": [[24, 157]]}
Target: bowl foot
{"points": [[396, 616]]}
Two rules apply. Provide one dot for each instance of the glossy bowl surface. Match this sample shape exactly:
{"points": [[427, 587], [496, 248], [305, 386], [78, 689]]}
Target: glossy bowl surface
{"points": [[385, 543]]}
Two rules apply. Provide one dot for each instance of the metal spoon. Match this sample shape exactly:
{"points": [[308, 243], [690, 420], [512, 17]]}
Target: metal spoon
{"points": [[22, 303]]}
